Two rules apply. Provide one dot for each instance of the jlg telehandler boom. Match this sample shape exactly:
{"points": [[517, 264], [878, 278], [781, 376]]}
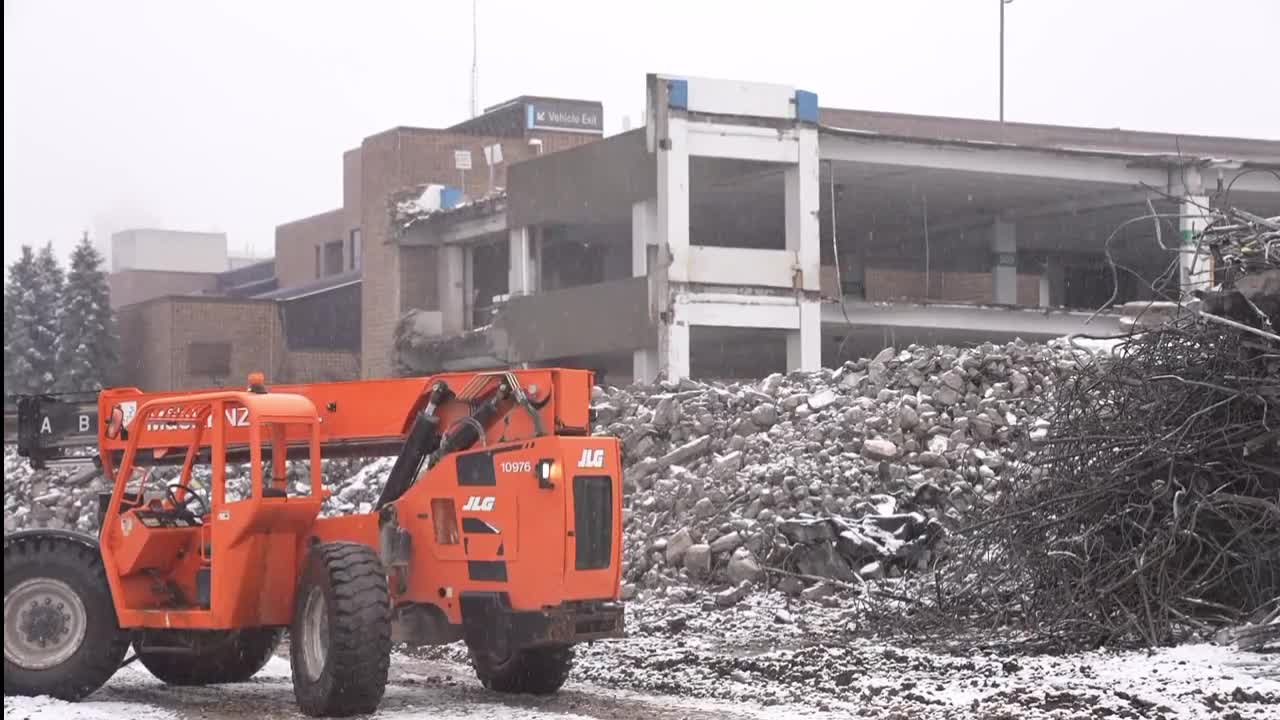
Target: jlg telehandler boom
{"points": [[499, 524]]}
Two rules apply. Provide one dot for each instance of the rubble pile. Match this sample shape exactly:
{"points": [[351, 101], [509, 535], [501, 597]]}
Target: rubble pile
{"points": [[811, 482], [847, 475], [66, 497]]}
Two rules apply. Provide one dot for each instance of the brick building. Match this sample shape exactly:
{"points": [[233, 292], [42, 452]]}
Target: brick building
{"points": [[356, 236], [324, 308]]}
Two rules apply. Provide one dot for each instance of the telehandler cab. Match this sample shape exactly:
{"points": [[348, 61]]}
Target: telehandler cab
{"points": [[499, 524]]}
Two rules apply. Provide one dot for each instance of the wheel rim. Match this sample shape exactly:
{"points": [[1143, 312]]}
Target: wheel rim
{"points": [[44, 623], [315, 633]]}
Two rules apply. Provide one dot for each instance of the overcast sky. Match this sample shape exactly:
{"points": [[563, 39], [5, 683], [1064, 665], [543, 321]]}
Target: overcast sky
{"points": [[232, 116]]}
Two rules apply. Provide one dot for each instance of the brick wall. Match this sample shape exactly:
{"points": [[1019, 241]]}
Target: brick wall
{"points": [[156, 337], [145, 333], [418, 279], [134, 286], [394, 280], [296, 244], [250, 327], [351, 189], [379, 298], [318, 366], [884, 284]]}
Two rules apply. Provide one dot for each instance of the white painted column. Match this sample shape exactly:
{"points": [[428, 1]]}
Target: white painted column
{"points": [[801, 190], [673, 347], [672, 233], [520, 262], [452, 288], [672, 212], [1195, 264], [801, 203], [1004, 269], [644, 235], [804, 346]]}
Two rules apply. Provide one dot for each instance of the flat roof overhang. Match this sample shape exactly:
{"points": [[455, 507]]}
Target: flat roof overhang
{"points": [[1024, 322]]}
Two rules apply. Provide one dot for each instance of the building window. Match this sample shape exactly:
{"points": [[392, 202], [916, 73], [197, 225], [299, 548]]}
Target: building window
{"points": [[209, 359], [317, 262], [354, 248], [333, 257]]}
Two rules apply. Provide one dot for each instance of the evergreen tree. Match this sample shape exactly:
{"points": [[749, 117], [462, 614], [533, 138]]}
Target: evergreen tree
{"points": [[45, 309], [87, 355], [19, 373]]}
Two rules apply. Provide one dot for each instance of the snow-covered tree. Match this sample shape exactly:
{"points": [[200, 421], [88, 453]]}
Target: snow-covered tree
{"points": [[46, 307], [87, 356], [19, 373]]}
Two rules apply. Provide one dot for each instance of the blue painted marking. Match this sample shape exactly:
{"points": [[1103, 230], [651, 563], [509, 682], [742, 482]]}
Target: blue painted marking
{"points": [[678, 94], [806, 106], [528, 114], [450, 197]]}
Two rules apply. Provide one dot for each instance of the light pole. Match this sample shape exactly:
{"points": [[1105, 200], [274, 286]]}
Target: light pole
{"points": [[1002, 4]]}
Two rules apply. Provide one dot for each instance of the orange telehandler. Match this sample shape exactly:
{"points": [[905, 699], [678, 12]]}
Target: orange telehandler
{"points": [[499, 524]]}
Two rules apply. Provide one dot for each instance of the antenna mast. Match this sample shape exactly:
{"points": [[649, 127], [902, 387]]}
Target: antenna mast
{"points": [[475, 63]]}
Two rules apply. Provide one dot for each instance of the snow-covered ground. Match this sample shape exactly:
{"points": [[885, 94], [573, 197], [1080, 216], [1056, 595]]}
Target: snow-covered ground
{"points": [[674, 678]]}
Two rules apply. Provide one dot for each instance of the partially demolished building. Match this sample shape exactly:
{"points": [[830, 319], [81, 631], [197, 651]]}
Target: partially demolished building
{"points": [[745, 229]]}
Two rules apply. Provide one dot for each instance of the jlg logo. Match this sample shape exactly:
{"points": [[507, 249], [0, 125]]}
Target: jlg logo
{"points": [[480, 503], [591, 458]]}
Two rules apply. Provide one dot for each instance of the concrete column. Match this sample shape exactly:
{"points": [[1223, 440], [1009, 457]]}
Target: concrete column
{"points": [[452, 287], [672, 216], [801, 190], [644, 234], [801, 202], [673, 348], [1004, 269], [804, 346], [1195, 264], [644, 365], [535, 280], [520, 271], [671, 223]]}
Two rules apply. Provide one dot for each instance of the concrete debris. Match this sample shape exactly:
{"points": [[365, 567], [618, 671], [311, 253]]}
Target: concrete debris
{"points": [[678, 545], [733, 595], [834, 473], [823, 473], [743, 566], [817, 592], [697, 560]]}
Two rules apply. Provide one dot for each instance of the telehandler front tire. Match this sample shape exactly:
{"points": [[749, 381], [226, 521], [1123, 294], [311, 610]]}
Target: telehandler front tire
{"points": [[537, 671], [234, 659], [61, 635], [340, 640]]}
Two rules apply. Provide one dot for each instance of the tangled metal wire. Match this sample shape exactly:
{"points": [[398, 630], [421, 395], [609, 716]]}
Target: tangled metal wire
{"points": [[1153, 507]]}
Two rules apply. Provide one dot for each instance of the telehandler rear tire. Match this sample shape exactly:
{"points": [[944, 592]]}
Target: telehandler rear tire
{"points": [[340, 640], [537, 671], [61, 635], [232, 660]]}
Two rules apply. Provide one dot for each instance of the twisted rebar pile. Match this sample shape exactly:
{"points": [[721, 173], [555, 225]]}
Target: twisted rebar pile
{"points": [[1153, 507]]}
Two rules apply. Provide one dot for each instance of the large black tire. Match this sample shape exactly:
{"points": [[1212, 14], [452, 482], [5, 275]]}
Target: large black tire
{"points": [[340, 640], [236, 657], [61, 634], [537, 671]]}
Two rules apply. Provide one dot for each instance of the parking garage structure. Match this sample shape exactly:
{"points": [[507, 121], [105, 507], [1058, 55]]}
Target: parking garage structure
{"points": [[745, 230]]}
